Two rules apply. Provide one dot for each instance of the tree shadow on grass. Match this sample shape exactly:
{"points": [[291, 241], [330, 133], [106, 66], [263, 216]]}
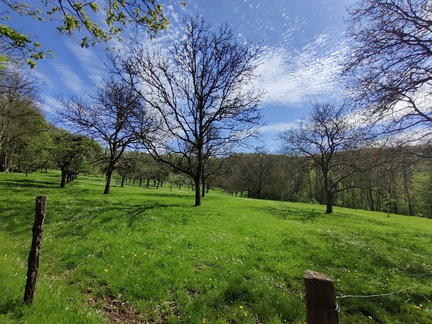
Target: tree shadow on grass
{"points": [[112, 216], [136, 212], [27, 183], [292, 213], [13, 308]]}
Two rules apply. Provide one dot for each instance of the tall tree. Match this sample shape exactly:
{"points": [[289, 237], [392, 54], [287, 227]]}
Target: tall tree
{"points": [[18, 96], [391, 63], [115, 116], [325, 132], [201, 92], [78, 16]]}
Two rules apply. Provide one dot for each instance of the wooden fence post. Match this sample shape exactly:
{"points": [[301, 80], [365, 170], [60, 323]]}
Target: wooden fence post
{"points": [[33, 259], [320, 299]]}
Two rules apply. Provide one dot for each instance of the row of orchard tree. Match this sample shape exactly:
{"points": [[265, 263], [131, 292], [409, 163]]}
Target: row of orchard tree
{"points": [[27, 141]]}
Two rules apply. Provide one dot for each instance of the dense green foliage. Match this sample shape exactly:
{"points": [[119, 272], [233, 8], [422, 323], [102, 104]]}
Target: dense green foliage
{"points": [[147, 254], [392, 180]]}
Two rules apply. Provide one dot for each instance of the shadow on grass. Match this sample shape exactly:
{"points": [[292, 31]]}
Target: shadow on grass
{"points": [[134, 213], [291, 213], [28, 183], [13, 308], [113, 218]]}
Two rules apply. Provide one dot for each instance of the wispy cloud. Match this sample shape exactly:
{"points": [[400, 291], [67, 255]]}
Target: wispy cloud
{"points": [[293, 76], [91, 63], [69, 78], [276, 128], [50, 105]]}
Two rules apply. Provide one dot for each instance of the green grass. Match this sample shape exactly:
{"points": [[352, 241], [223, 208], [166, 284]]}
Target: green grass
{"points": [[147, 254]]}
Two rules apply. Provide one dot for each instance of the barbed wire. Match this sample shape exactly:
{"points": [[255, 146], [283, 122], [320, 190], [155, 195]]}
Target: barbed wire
{"points": [[380, 295]]}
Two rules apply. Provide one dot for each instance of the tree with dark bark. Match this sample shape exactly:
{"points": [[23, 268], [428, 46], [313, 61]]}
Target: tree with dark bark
{"points": [[71, 153], [326, 132], [116, 116], [391, 63], [201, 91]]}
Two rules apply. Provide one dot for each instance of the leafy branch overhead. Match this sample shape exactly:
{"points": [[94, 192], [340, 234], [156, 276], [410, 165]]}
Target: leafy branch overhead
{"points": [[75, 17]]}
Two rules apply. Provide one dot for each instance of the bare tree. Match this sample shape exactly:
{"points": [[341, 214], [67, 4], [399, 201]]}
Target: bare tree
{"points": [[201, 91], [391, 64], [325, 133], [116, 116]]}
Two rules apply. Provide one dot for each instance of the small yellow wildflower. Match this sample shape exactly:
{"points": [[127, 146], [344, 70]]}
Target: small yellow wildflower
{"points": [[123, 256], [370, 317], [106, 270], [210, 279], [415, 306], [245, 313], [241, 307], [134, 255]]}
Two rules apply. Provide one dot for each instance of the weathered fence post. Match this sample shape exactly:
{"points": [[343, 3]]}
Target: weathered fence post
{"points": [[320, 299], [33, 259]]}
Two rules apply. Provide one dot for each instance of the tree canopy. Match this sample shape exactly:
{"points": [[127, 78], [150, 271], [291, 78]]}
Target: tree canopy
{"points": [[391, 66], [73, 17], [200, 91], [115, 116], [325, 131]]}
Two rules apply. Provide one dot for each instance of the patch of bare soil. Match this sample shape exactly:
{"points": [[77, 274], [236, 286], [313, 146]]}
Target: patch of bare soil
{"points": [[117, 311]]}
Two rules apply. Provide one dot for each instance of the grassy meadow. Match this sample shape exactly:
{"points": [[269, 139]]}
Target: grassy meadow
{"points": [[146, 255]]}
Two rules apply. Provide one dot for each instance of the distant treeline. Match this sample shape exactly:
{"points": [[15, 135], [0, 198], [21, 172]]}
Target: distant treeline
{"points": [[394, 180]]}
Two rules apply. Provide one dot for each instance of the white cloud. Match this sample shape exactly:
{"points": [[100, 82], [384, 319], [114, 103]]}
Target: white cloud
{"points": [[276, 128], [50, 104], [90, 62], [69, 78], [292, 77]]}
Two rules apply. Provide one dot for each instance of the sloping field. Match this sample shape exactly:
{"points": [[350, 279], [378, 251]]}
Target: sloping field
{"points": [[146, 255]]}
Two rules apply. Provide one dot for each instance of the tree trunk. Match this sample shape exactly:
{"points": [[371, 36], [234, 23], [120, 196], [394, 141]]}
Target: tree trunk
{"points": [[108, 181], [371, 199], [63, 178], [197, 191], [123, 181], [329, 208], [203, 191]]}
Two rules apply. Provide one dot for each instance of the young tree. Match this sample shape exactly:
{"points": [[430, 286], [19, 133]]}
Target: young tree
{"points": [[391, 64], [78, 16], [202, 94], [71, 152], [326, 132], [116, 116]]}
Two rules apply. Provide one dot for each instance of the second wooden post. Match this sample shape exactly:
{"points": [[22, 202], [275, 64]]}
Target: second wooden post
{"points": [[320, 299]]}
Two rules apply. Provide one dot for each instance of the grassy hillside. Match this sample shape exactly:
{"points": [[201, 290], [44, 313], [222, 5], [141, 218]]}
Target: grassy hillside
{"points": [[146, 255]]}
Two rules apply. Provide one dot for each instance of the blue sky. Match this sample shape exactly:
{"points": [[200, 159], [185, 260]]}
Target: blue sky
{"points": [[303, 42]]}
